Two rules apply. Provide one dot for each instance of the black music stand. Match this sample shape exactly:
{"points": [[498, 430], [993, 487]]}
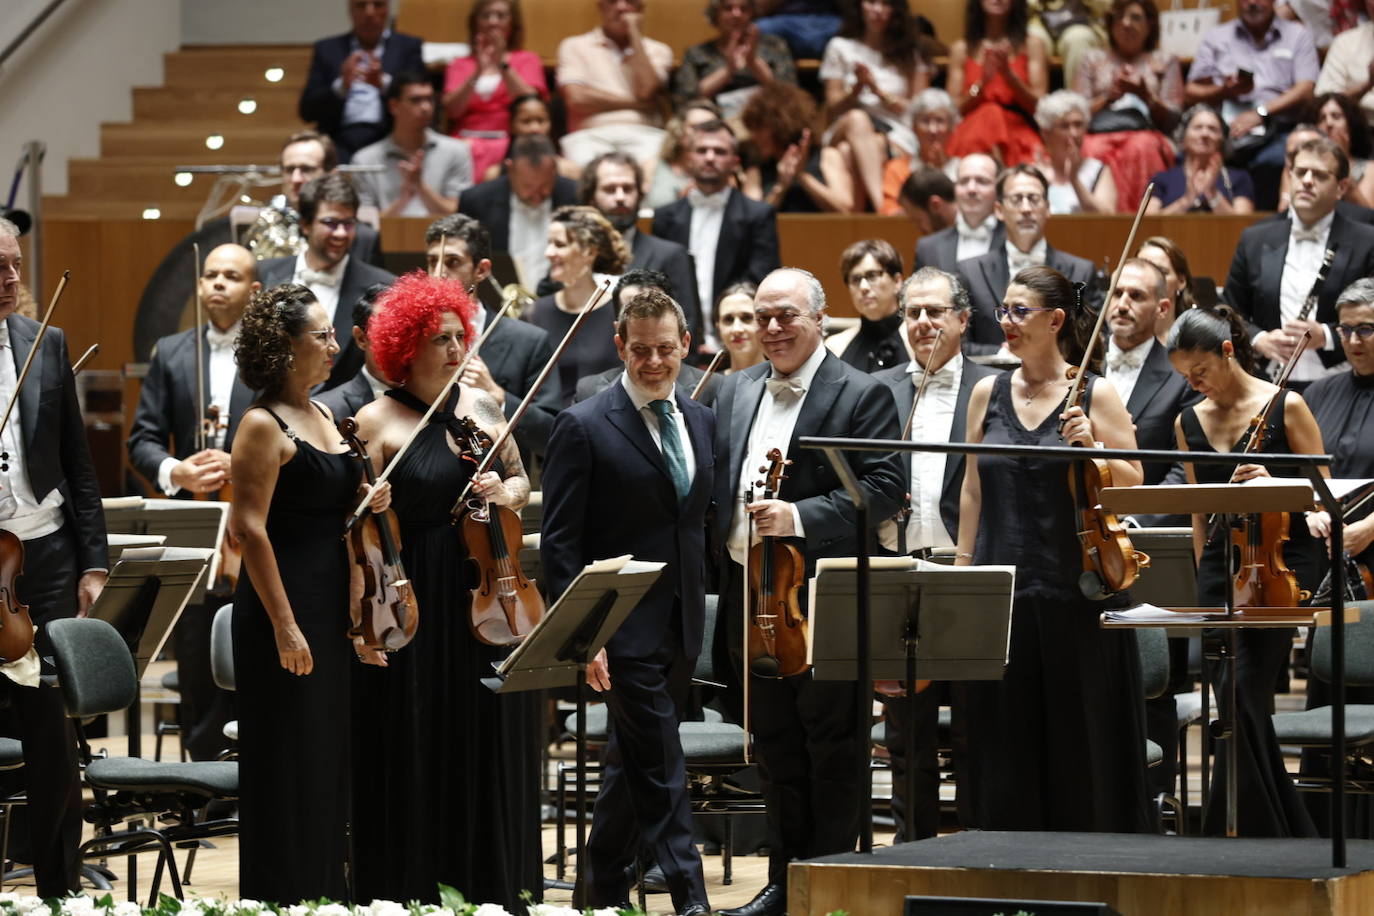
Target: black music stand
{"points": [[952, 623], [557, 651], [182, 523]]}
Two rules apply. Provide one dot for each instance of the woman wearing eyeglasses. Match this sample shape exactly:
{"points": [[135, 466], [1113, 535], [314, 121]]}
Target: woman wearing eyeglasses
{"points": [[1210, 348], [293, 485], [1059, 742]]}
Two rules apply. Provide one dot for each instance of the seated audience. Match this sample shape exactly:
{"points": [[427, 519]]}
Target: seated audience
{"points": [[737, 327], [933, 117], [1069, 30], [786, 170], [479, 88], [731, 67], [872, 272], [976, 229], [1342, 120], [1078, 183], [1165, 254], [997, 74], [424, 171], [529, 114], [1349, 65], [350, 72], [610, 79], [1136, 93], [927, 199], [670, 176], [1202, 181], [871, 71], [806, 25]]}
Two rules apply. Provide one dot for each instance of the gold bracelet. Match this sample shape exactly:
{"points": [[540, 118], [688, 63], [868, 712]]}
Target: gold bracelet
{"points": [[963, 556]]}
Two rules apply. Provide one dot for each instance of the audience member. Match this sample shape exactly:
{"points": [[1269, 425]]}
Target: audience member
{"points": [[1317, 16], [1023, 206], [479, 88], [1070, 29], [1349, 65], [329, 221], [731, 237], [369, 383], [610, 78], [515, 207], [737, 327], [976, 229], [529, 114], [1202, 180], [1165, 254], [871, 71], [1078, 183], [1342, 120], [806, 25], [927, 199], [933, 117], [1261, 70], [672, 176], [731, 67], [1346, 207], [786, 170], [350, 72], [872, 272], [1136, 93], [997, 74], [423, 171]]}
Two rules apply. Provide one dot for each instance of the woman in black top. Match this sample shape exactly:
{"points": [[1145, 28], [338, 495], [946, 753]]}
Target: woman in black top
{"points": [[1059, 742], [1211, 349]]}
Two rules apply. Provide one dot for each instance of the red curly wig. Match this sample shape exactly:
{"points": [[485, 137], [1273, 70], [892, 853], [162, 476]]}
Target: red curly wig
{"points": [[410, 311]]}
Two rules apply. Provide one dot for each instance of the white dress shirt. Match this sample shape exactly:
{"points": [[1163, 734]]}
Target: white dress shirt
{"points": [[641, 399], [1122, 367], [933, 422], [22, 512], [222, 370], [327, 293], [1018, 260], [529, 238], [974, 241], [362, 100], [1300, 266], [708, 214], [772, 428]]}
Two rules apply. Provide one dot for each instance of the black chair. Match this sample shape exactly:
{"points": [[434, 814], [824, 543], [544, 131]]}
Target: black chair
{"points": [[1153, 647], [222, 667], [96, 674]]}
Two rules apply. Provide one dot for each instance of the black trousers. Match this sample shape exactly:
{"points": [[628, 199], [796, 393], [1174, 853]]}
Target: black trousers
{"points": [[921, 713], [36, 716], [643, 794]]}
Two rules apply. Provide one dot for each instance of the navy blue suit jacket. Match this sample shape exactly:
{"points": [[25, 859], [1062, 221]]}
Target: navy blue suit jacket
{"points": [[318, 101], [607, 493]]}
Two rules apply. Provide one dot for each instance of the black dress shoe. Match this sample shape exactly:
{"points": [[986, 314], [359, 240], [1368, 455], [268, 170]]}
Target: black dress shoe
{"points": [[654, 881], [771, 901], [695, 909]]}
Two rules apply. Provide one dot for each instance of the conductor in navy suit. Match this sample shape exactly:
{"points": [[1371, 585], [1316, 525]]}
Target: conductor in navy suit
{"points": [[631, 471]]}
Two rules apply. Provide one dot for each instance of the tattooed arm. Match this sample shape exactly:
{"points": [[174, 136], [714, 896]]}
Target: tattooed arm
{"points": [[516, 482]]}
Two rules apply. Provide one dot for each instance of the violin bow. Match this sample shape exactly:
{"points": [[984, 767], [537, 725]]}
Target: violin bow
{"points": [[490, 457], [710, 371], [28, 362], [92, 350], [925, 379], [202, 435]]}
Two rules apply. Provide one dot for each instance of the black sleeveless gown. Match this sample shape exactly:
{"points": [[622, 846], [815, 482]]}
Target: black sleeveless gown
{"points": [[1059, 742], [1267, 803], [447, 772], [294, 731]]}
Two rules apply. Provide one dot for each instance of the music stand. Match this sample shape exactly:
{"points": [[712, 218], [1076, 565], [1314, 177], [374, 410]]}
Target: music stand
{"points": [[559, 648], [183, 523], [953, 623]]}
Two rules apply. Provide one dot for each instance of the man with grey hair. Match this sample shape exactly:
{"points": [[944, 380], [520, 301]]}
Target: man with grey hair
{"points": [[808, 740], [50, 500]]}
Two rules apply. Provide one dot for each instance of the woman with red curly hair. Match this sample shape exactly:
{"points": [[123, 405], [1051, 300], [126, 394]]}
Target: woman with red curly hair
{"points": [[446, 772]]}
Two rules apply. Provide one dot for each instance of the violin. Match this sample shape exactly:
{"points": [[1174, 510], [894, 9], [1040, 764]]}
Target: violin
{"points": [[388, 613], [505, 604], [778, 633]]}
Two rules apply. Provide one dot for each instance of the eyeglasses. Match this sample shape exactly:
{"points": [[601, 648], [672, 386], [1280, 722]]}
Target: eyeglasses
{"points": [[1362, 331], [1017, 313], [934, 314], [333, 223], [872, 276], [1017, 200], [323, 335], [783, 318]]}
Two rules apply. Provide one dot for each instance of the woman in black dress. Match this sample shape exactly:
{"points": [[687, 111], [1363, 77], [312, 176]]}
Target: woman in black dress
{"points": [[293, 485], [448, 772], [1211, 349], [1059, 742]]}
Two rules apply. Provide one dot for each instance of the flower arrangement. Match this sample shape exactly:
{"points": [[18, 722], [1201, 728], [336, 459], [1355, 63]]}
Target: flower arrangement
{"points": [[451, 903]]}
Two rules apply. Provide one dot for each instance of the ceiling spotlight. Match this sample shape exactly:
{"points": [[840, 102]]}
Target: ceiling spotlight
{"points": [[183, 179], [152, 213], [214, 141], [274, 74], [247, 106]]}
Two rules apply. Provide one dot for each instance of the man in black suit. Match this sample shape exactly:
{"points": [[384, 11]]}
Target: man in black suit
{"points": [[927, 199], [1023, 206], [369, 383], [1299, 135], [329, 220], [639, 437], [932, 301], [515, 207], [166, 447], [735, 238], [350, 72], [516, 352], [808, 741], [49, 499], [976, 229], [630, 285], [1277, 263]]}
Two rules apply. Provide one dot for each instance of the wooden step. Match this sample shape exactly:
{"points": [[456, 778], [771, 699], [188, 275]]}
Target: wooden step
{"points": [[244, 139], [276, 105], [143, 184], [73, 209], [240, 67]]}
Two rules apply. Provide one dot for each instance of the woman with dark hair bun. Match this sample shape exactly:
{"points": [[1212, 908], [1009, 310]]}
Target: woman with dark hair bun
{"points": [[1211, 349], [1059, 742], [294, 483]]}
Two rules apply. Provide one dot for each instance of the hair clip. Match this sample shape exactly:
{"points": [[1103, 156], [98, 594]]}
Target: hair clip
{"points": [[1078, 294]]}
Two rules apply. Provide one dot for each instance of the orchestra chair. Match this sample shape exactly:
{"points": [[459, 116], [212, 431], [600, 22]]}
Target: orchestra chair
{"points": [[172, 684], [1153, 647], [222, 668], [11, 758], [96, 674]]}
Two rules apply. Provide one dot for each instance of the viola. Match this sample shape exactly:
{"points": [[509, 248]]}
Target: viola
{"points": [[778, 632], [230, 555], [506, 604], [388, 614]]}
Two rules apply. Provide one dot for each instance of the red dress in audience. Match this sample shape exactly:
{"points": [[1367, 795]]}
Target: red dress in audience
{"points": [[995, 127], [486, 122]]}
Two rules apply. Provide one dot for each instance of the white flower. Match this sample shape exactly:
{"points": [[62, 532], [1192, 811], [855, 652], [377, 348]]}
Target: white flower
{"points": [[130, 908], [549, 909], [606, 911], [32, 905], [246, 905], [333, 909], [299, 909], [78, 906], [490, 909]]}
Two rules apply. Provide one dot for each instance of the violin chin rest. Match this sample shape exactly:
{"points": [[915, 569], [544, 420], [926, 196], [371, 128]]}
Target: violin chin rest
{"points": [[765, 666], [1091, 586]]}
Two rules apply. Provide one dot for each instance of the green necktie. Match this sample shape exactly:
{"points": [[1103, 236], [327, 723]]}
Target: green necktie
{"points": [[672, 447]]}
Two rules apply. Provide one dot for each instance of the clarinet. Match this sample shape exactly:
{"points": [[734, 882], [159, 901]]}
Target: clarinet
{"points": [[1309, 304]]}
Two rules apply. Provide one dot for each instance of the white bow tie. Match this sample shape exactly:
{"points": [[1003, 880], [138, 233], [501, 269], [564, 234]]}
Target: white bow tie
{"points": [[1125, 360], [219, 340], [1306, 235], [1018, 261], [318, 278], [714, 201], [977, 233], [940, 378], [785, 389]]}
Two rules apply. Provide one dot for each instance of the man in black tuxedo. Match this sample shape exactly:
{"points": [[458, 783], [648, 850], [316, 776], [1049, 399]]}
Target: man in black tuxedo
{"points": [[516, 352], [976, 229], [1023, 206], [631, 284], [808, 741], [369, 383], [735, 238], [931, 301], [1277, 263], [639, 437], [49, 499], [515, 207], [329, 220], [164, 446], [350, 72]]}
